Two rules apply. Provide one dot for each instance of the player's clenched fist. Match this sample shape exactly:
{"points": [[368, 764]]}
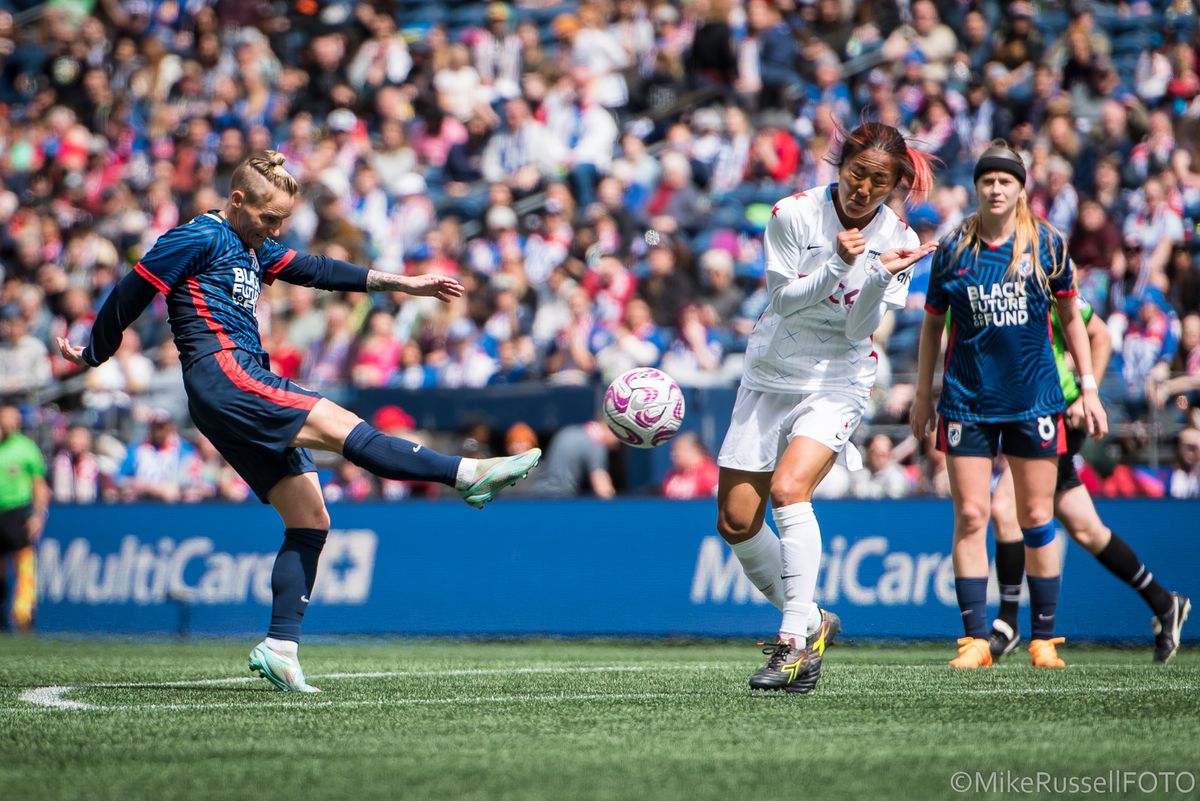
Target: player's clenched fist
{"points": [[850, 245]]}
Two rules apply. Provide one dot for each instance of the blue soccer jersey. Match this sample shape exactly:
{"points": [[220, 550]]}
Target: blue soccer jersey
{"points": [[211, 281], [999, 358]]}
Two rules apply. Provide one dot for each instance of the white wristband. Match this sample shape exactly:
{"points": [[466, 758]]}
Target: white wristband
{"points": [[1088, 381]]}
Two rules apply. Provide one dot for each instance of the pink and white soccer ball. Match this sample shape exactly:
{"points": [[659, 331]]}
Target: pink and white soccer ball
{"points": [[643, 407]]}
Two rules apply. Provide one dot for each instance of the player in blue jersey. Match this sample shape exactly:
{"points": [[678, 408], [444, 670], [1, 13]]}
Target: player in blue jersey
{"points": [[1074, 509], [211, 270], [998, 274]]}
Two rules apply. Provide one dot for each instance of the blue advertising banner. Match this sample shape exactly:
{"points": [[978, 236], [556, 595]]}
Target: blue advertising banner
{"points": [[578, 567]]}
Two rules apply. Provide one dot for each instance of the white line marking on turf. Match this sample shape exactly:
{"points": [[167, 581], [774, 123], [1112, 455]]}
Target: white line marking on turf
{"points": [[52, 697]]}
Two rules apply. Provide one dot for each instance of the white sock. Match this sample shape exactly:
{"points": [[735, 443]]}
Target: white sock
{"points": [[466, 473], [285, 647], [814, 619], [761, 563], [800, 546]]}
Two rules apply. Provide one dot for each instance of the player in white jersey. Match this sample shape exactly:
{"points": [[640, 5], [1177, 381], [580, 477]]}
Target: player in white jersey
{"points": [[837, 259]]}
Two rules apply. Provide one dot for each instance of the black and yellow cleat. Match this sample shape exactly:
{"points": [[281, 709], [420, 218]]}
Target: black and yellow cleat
{"points": [[793, 669]]}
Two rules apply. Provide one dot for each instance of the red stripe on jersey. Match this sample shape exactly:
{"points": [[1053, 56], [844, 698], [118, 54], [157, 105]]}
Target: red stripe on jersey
{"points": [[940, 441], [1062, 435], [949, 346], [269, 275], [1066, 293], [158, 283], [206, 315], [931, 309], [244, 381]]}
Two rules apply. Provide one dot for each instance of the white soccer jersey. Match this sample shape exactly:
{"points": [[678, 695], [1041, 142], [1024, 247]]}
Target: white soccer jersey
{"points": [[808, 349]]}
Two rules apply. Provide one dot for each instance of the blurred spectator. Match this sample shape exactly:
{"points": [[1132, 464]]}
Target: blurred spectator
{"points": [[1185, 478], [882, 477], [75, 475], [213, 478], [633, 342], [377, 354], [1182, 388], [24, 361], [519, 438], [113, 386], [577, 463], [349, 483], [693, 472], [523, 152], [161, 467], [693, 358]]}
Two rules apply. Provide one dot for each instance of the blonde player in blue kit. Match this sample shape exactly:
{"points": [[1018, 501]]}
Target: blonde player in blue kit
{"points": [[999, 273], [210, 270]]}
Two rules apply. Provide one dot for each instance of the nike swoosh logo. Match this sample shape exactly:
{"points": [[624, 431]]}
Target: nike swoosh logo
{"points": [[304, 598], [813, 247], [1045, 617], [416, 448]]}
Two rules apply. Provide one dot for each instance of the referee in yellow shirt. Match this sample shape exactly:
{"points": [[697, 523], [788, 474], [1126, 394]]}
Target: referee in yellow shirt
{"points": [[24, 503]]}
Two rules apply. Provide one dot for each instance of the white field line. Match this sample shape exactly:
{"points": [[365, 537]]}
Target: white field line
{"points": [[51, 698]]}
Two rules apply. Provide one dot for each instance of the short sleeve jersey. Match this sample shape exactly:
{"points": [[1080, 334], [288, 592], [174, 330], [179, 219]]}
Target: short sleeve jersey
{"points": [[999, 363], [211, 281], [808, 350], [20, 462]]}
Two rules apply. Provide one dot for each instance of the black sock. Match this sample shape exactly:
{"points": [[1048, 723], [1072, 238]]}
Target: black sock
{"points": [[1043, 605], [972, 603], [292, 580], [396, 458], [1010, 572], [1123, 563]]}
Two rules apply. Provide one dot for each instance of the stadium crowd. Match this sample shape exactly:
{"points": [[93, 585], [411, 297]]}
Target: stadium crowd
{"points": [[598, 175]]}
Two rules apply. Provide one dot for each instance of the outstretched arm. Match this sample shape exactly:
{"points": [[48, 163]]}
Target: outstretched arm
{"points": [[125, 303], [323, 272]]}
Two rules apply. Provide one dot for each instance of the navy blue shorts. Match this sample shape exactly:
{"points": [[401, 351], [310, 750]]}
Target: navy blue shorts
{"points": [[250, 415], [1030, 439]]}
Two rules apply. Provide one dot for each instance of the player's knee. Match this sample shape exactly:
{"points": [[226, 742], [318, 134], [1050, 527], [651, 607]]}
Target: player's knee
{"points": [[1092, 538], [789, 489], [734, 525], [972, 517]]}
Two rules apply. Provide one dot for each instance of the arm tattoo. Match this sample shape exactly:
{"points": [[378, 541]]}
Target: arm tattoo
{"points": [[378, 281]]}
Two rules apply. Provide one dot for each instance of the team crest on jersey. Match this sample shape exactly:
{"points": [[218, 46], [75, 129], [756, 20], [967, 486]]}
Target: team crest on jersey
{"points": [[1025, 266], [872, 255], [954, 434]]}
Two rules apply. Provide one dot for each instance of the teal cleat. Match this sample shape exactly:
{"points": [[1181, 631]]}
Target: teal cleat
{"points": [[282, 671], [499, 474]]}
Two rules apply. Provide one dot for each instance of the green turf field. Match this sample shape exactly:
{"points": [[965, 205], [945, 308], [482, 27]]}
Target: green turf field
{"points": [[569, 720]]}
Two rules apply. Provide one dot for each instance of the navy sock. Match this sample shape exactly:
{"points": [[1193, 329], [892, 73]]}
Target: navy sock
{"points": [[292, 580], [1010, 571], [396, 458], [1043, 605], [972, 602]]}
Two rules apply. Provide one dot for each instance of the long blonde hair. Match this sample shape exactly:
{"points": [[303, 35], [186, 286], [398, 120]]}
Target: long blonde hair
{"points": [[259, 176], [1030, 229]]}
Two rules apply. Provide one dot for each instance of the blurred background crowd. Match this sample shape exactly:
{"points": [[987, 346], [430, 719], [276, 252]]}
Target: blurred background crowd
{"points": [[598, 174]]}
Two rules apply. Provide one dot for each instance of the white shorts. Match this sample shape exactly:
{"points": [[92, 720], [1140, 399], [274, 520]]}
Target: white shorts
{"points": [[765, 422]]}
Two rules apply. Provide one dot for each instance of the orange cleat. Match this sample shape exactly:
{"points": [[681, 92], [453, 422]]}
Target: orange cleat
{"points": [[1045, 654], [973, 652]]}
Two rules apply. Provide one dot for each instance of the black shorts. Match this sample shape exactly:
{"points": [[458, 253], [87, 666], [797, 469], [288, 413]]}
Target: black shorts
{"points": [[13, 532], [1030, 439], [1068, 476], [250, 415]]}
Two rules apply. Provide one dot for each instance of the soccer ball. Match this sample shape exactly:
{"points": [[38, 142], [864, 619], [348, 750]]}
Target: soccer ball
{"points": [[643, 407]]}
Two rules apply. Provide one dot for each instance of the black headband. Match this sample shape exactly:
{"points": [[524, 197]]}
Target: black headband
{"points": [[1001, 162]]}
